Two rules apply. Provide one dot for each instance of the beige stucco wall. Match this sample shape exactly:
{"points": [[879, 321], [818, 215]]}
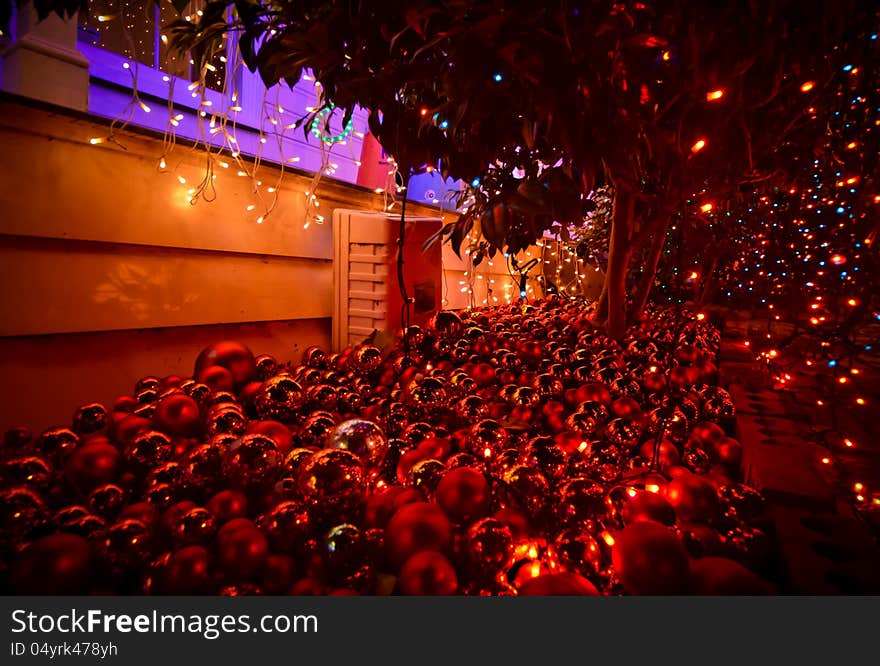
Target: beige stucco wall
{"points": [[108, 274]]}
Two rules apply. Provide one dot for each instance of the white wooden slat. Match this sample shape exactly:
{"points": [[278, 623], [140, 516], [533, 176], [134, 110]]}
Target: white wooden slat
{"points": [[366, 277], [367, 258], [363, 305], [364, 246], [369, 230], [366, 313], [366, 287], [378, 295]]}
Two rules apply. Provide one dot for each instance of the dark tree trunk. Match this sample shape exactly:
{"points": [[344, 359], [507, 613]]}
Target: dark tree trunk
{"points": [[646, 283], [707, 290], [618, 261], [602, 307]]}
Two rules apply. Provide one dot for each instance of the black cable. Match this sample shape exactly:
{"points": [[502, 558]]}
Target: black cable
{"points": [[405, 309]]}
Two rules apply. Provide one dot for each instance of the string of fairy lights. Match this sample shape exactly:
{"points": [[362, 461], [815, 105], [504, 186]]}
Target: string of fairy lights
{"points": [[134, 31], [118, 27], [807, 246], [805, 257], [556, 269]]}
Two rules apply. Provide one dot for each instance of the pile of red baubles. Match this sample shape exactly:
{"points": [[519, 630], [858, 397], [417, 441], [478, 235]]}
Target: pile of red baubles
{"points": [[502, 451]]}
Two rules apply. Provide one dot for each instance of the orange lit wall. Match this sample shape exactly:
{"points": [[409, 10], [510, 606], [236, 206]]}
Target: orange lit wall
{"points": [[108, 274]]}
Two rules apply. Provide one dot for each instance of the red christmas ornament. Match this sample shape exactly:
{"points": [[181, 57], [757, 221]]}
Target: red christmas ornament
{"points": [[278, 574], [279, 432], [381, 506], [463, 494], [654, 382], [594, 392], [140, 511], [363, 438], [332, 478], [253, 463], [668, 455], [570, 442], [53, 564], [626, 408], [306, 587], [427, 573], [693, 498], [170, 381], [287, 525], [170, 517], [228, 504], [57, 444], [483, 374], [123, 404], [241, 553], [280, 398], [31, 472], [248, 393], [107, 500], [195, 526], [234, 525], [217, 377], [93, 465], [706, 433], [516, 521], [728, 452], [414, 527], [187, 571], [232, 356], [563, 584], [90, 419], [430, 448], [178, 414], [646, 505], [148, 450], [125, 427], [680, 377], [650, 559], [124, 547]]}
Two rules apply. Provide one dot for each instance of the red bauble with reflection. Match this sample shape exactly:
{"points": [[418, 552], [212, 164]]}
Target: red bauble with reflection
{"points": [[510, 452]]}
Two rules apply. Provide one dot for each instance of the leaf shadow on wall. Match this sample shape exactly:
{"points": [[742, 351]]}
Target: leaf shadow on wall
{"points": [[145, 292]]}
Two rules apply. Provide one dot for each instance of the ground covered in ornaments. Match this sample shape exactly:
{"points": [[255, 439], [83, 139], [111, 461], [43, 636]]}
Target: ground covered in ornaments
{"points": [[500, 451]]}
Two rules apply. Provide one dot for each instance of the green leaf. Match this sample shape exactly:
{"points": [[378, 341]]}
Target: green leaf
{"points": [[349, 112], [462, 228], [246, 45], [293, 78], [374, 123], [432, 239], [489, 229]]}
